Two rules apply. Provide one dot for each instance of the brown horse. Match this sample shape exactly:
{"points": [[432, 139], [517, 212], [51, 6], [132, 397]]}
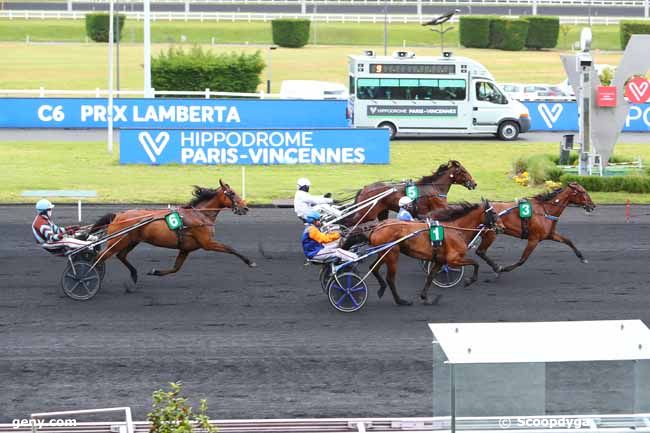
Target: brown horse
{"points": [[461, 224], [547, 209], [198, 219], [432, 189]]}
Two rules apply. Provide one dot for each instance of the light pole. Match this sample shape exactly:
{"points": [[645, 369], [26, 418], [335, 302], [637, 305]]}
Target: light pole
{"points": [[111, 26], [147, 49], [269, 76], [440, 21]]}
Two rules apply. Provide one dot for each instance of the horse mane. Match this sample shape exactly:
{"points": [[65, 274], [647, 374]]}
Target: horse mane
{"points": [[455, 211], [201, 194], [548, 195], [439, 172]]}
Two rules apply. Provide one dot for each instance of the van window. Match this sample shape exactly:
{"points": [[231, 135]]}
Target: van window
{"points": [[411, 89], [488, 92]]}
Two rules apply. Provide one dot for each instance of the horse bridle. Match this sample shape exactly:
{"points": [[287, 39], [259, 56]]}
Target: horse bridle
{"points": [[232, 196]]}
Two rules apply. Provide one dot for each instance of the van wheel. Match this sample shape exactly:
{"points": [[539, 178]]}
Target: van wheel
{"points": [[392, 130], [508, 130]]}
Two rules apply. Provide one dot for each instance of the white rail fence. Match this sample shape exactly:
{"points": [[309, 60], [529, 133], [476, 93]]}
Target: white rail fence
{"points": [[265, 17], [638, 423], [505, 3], [103, 93]]}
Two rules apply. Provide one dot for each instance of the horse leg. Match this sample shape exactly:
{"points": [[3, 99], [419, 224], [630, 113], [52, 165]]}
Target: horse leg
{"points": [[122, 257], [212, 245], [486, 242], [180, 259], [469, 262], [532, 244], [391, 260], [375, 271], [559, 238], [424, 294]]}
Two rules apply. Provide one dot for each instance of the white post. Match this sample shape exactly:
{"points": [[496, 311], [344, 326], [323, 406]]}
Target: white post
{"points": [[303, 7], [147, 49], [646, 7], [69, 5], [243, 182], [187, 6], [420, 11], [534, 7], [79, 210], [110, 77]]}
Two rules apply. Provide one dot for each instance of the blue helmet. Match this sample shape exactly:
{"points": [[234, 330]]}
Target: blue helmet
{"points": [[312, 216], [43, 205]]}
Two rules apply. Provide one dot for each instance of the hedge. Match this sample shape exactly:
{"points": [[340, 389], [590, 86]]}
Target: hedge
{"points": [[97, 25], [629, 28], [507, 34], [633, 184], [290, 33], [543, 32], [198, 70], [475, 31]]}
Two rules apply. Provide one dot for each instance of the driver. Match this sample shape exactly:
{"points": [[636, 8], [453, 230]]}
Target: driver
{"points": [[405, 209], [50, 236], [322, 246], [303, 202]]}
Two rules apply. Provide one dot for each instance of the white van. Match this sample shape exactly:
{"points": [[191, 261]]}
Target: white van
{"points": [[431, 95], [310, 89]]}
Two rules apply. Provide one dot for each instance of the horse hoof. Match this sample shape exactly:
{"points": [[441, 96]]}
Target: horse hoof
{"points": [[499, 269], [153, 272], [252, 265], [433, 301], [404, 302], [585, 261], [129, 286], [468, 283], [381, 291]]}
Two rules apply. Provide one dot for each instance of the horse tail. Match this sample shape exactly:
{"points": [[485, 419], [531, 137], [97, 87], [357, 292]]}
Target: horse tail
{"points": [[102, 222]]}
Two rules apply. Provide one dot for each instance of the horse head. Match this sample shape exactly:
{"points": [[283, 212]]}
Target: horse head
{"points": [[578, 195], [458, 174], [232, 200], [491, 218]]}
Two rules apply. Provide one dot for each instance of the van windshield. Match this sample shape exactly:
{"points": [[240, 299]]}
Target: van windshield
{"points": [[412, 89], [486, 91]]}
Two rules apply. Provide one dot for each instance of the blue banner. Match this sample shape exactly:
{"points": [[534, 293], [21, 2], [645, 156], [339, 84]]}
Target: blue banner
{"points": [[172, 113], [255, 146], [563, 116]]}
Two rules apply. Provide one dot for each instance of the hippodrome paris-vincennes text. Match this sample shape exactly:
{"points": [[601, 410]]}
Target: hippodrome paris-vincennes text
{"points": [[261, 147]]}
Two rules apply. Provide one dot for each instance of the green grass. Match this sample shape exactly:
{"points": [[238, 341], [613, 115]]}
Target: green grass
{"points": [[89, 166], [410, 35], [83, 66]]}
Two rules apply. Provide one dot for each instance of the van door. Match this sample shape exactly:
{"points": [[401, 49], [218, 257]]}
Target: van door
{"points": [[489, 107]]}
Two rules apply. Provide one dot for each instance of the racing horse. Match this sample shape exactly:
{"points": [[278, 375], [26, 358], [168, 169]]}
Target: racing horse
{"points": [[432, 190], [546, 211], [198, 219], [462, 222]]}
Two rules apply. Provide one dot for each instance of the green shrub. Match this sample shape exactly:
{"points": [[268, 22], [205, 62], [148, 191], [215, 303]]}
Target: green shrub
{"points": [[629, 28], [171, 413], [497, 32], [198, 70], [97, 25], [474, 31], [539, 167], [290, 33], [543, 32], [632, 184], [507, 34], [520, 165]]}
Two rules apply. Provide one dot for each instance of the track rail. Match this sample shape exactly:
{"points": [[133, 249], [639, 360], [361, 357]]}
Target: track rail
{"points": [[637, 423]]}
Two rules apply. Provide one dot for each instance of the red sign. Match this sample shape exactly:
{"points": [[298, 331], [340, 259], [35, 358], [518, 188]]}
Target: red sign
{"points": [[606, 96], [637, 90]]}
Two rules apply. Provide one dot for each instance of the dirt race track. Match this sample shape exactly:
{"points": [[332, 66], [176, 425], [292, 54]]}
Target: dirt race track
{"points": [[264, 343]]}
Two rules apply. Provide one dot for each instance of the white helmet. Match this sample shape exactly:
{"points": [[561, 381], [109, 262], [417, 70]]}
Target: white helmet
{"points": [[405, 201], [303, 181]]}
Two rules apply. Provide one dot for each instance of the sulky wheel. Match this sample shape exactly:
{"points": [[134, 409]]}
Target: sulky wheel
{"points": [[80, 281], [347, 292], [90, 257], [448, 277], [325, 276]]}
